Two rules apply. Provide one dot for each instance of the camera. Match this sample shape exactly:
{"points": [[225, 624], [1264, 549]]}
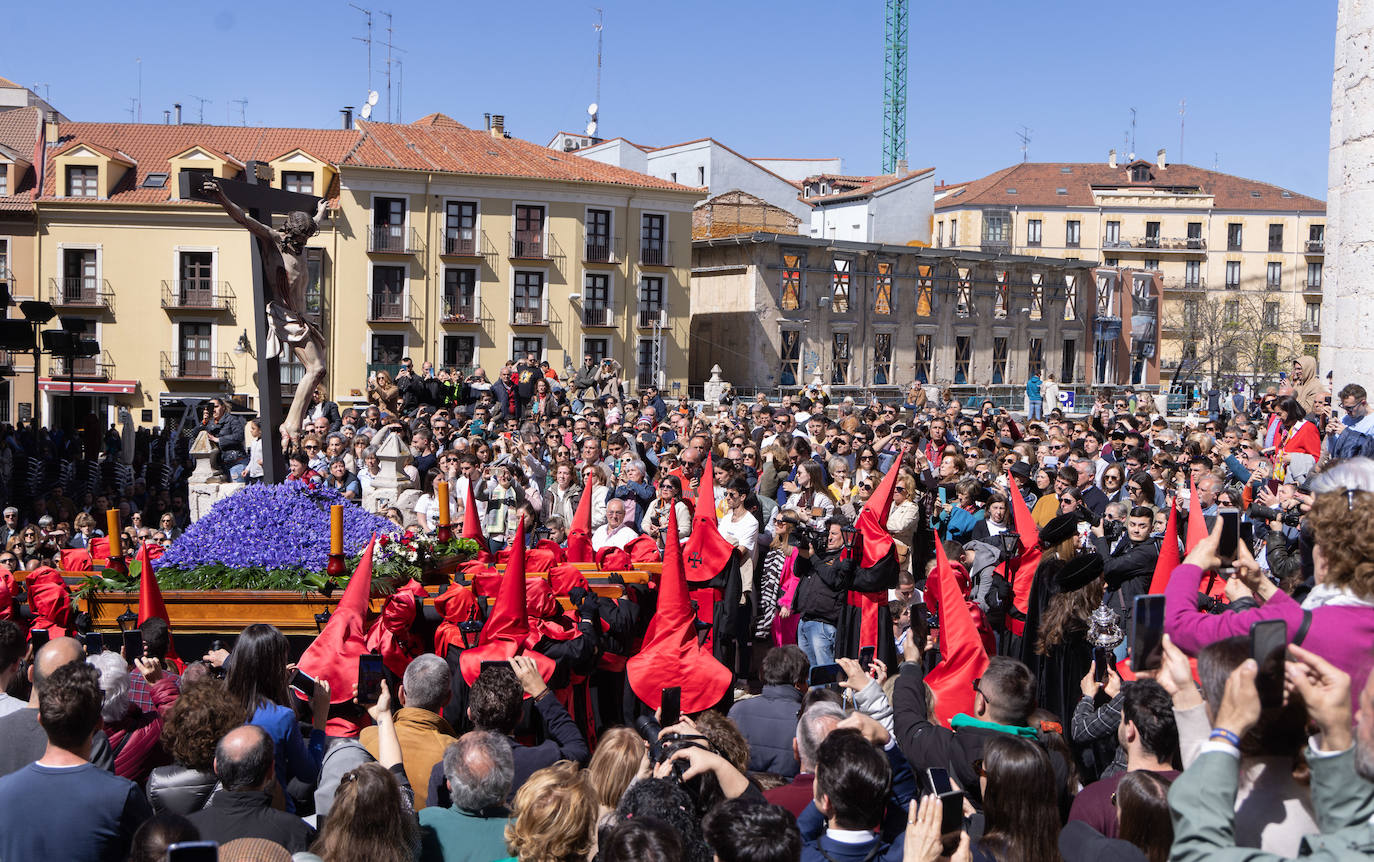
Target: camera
{"points": [[808, 538], [1112, 529], [1289, 517], [662, 749]]}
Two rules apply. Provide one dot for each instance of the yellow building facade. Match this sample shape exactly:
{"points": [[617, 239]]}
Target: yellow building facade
{"points": [[443, 244], [1251, 250]]}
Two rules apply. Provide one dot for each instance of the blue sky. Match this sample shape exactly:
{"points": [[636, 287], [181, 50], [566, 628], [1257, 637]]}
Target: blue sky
{"points": [[769, 78]]}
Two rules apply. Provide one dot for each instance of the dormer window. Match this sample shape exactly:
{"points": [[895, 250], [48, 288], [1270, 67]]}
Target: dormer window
{"points": [[83, 182], [1140, 174], [302, 182]]}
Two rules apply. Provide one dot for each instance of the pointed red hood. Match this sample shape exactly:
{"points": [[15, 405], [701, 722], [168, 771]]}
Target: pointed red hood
{"points": [[50, 599], [1168, 553], [1029, 561], [76, 560], [100, 550], [334, 654], [456, 605], [671, 654], [472, 525], [580, 534], [150, 604], [8, 589], [962, 656], [872, 522], [1197, 522], [390, 634], [707, 552], [507, 626]]}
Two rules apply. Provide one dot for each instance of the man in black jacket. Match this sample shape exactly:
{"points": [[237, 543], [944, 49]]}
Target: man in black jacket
{"points": [[1129, 562], [769, 721], [243, 809], [826, 575], [321, 406]]}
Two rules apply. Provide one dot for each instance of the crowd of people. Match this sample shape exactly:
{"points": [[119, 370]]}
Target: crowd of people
{"points": [[903, 630]]}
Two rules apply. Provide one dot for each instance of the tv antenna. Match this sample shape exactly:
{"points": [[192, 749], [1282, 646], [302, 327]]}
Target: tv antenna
{"points": [[1025, 136], [1132, 134], [132, 109], [1182, 110], [389, 48], [368, 104], [44, 85], [600, 22], [139, 62], [243, 110], [367, 40], [203, 102]]}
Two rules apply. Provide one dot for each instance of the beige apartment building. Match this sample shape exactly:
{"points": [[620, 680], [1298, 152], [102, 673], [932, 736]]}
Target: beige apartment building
{"points": [[1252, 249], [20, 129], [458, 246]]}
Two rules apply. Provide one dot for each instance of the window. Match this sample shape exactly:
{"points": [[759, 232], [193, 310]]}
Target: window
{"points": [[1113, 237], [701, 175], [790, 291], [599, 236], [79, 283], [82, 182], [839, 358], [925, 291], [839, 285], [882, 288], [1271, 314], [963, 357], [1231, 312], [1273, 275], [1000, 304], [596, 299], [528, 299], [1276, 237], [193, 350], [790, 350], [1313, 316], [939, 234], [1140, 174], [4, 182], [1033, 227], [1037, 306], [1192, 273], [996, 228], [527, 344], [999, 359], [389, 224], [922, 365], [1152, 234], [387, 349], [460, 352], [1195, 235], [648, 362], [1068, 363], [1314, 275], [1111, 261], [314, 290], [529, 232], [388, 293], [963, 296], [4, 261], [597, 348], [1073, 233], [460, 227], [1190, 308], [1070, 297], [651, 301], [460, 294], [155, 180], [1035, 365], [953, 231], [1190, 351], [298, 181], [653, 239], [882, 358], [1232, 274], [195, 288], [1233, 236], [1316, 238], [1151, 263]]}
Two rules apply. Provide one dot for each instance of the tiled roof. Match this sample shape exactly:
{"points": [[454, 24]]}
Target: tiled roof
{"points": [[6, 82], [105, 151], [857, 186], [435, 143], [1037, 184], [19, 131]]}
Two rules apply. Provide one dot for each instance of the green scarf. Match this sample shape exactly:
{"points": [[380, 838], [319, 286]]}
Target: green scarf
{"points": [[961, 721]]}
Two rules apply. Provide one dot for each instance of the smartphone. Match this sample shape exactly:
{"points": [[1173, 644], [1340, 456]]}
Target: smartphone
{"points": [[952, 801], [193, 851], [866, 657], [303, 683], [670, 709], [490, 664], [826, 674], [1273, 485], [1147, 632], [1103, 661], [1230, 533], [133, 645], [371, 672], [95, 643], [1268, 645], [1247, 535], [38, 638]]}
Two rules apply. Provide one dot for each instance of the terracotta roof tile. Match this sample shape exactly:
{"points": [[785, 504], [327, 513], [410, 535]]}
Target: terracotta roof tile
{"points": [[858, 186], [19, 131], [1038, 184]]}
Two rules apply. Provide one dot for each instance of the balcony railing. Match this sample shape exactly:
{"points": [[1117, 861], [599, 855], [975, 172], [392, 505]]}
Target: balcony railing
{"points": [[1158, 243], [525, 247], [99, 367], [462, 244], [1309, 286], [528, 317], [459, 309], [81, 293], [176, 367], [393, 239], [995, 245], [384, 307], [1316, 246], [596, 315], [198, 295], [651, 317], [602, 249], [655, 253], [1311, 327]]}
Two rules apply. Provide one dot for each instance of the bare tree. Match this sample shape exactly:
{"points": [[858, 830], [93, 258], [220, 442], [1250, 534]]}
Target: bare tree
{"points": [[1267, 338], [1213, 327]]}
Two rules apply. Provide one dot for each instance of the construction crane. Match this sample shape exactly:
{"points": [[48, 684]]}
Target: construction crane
{"points": [[894, 85]]}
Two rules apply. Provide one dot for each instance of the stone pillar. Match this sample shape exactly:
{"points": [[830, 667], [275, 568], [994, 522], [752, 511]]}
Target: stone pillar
{"points": [[392, 486], [205, 485], [1347, 292]]}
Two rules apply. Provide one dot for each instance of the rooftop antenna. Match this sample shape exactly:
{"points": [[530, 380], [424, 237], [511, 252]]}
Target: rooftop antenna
{"points": [[203, 101], [243, 110], [1025, 136], [132, 109], [1216, 161], [600, 21], [1132, 134], [44, 85], [372, 97], [389, 48], [1182, 110], [367, 40], [400, 77], [139, 61]]}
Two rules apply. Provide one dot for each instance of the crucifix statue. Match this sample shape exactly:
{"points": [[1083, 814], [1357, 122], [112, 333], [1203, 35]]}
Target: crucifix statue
{"points": [[280, 277]]}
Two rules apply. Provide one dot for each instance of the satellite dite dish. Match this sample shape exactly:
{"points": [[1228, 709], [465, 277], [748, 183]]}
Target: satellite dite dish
{"points": [[591, 109], [372, 97], [591, 128], [366, 111]]}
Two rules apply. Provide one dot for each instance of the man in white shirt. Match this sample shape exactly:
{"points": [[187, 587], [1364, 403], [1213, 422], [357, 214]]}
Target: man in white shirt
{"points": [[613, 533]]}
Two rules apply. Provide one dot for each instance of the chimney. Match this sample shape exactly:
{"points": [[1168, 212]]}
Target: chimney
{"points": [[1159, 159], [347, 112], [1111, 158], [498, 125], [176, 113], [486, 118], [166, 118], [50, 127], [902, 169]]}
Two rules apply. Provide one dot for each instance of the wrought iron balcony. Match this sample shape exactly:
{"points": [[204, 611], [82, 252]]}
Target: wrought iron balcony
{"points": [[386, 307], [602, 249], [83, 292], [197, 294], [184, 367], [1315, 246], [99, 367], [458, 309], [461, 243], [393, 239], [1309, 286], [597, 315], [1311, 327], [528, 317], [655, 253], [538, 247], [651, 317]]}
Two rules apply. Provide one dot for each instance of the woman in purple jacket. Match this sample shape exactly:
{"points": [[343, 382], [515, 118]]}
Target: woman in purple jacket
{"points": [[1340, 606]]}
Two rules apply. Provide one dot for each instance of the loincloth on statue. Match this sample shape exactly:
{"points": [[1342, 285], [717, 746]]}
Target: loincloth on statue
{"points": [[287, 327]]}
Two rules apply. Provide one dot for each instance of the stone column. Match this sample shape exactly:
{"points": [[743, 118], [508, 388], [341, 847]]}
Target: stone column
{"points": [[1347, 291]]}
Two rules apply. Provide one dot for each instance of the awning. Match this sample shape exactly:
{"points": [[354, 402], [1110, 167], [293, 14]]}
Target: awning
{"points": [[88, 387]]}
